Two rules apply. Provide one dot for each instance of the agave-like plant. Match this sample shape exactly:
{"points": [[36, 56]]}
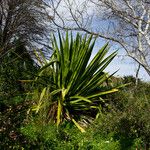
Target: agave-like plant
{"points": [[76, 80]]}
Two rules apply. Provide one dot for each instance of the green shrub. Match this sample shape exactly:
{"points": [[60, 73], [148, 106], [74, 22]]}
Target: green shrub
{"points": [[12, 117], [67, 137], [16, 65], [128, 117]]}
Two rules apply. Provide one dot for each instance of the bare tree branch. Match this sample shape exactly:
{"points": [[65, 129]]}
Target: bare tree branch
{"points": [[25, 20], [127, 23]]}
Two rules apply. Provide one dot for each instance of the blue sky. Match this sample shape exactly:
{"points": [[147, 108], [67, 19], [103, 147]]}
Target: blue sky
{"points": [[126, 68], [126, 65]]}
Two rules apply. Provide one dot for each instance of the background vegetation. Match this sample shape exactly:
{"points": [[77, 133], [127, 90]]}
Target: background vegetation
{"points": [[30, 104], [63, 99]]}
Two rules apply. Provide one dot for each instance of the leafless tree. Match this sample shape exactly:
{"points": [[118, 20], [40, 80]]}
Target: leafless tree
{"points": [[25, 20], [125, 22]]}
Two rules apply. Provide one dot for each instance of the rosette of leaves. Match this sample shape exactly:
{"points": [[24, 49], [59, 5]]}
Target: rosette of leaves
{"points": [[76, 86]]}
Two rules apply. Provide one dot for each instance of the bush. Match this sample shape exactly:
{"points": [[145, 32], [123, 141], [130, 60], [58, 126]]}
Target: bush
{"points": [[12, 118], [16, 65], [128, 117], [66, 137]]}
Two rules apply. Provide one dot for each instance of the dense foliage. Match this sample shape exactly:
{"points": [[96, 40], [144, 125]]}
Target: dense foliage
{"points": [[62, 88], [17, 65]]}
